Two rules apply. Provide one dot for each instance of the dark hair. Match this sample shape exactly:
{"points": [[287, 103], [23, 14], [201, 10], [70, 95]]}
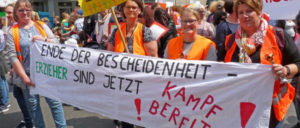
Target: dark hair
{"points": [[154, 5], [162, 16], [280, 24], [138, 2], [219, 16], [229, 6], [298, 21]]}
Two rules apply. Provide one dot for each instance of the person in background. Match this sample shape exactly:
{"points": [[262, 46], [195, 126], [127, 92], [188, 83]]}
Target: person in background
{"points": [[64, 22], [161, 16], [225, 28], [219, 16], [296, 80], [290, 28], [257, 42], [4, 89], [35, 16], [189, 45], [102, 33], [214, 7], [204, 28], [46, 21], [19, 39], [78, 24]]}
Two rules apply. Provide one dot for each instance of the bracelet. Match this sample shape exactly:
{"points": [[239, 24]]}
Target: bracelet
{"points": [[288, 70]]}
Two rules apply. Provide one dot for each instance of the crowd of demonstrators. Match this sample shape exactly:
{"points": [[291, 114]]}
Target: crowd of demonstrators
{"points": [[232, 31]]}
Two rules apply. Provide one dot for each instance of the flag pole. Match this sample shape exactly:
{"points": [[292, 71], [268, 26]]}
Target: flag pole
{"points": [[119, 29]]}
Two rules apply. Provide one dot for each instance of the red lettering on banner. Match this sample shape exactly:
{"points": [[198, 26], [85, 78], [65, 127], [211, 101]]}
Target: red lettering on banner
{"points": [[154, 106], [191, 98], [193, 123], [209, 100], [164, 109], [212, 110], [176, 112], [206, 125], [167, 89], [270, 1], [181, 93], [182, 121]]}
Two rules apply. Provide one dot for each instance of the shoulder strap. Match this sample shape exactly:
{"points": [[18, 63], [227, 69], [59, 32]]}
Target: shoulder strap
{"points": [[39, 27], [279, 34], [230, 41]]}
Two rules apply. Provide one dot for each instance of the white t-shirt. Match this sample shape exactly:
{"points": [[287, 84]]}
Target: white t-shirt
{"points": [[79, 24], [289, 28]]}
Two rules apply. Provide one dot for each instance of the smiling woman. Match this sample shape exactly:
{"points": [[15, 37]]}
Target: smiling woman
{"points": [[19, 39], [189, 45]]}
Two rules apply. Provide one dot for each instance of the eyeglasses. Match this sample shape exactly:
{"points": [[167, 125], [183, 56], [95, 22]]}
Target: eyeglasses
{"points": [[132, 7], [188, 21], [24, 10]]}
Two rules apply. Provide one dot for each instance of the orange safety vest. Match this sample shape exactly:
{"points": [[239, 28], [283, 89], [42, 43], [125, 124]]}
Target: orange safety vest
{"points": [[283, 94], [138, 44], [16, 36], [198, 51]]}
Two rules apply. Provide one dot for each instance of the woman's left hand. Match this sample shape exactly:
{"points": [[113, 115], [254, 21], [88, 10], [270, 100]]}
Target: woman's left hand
{"points": [[279, 70], [38, 37]]}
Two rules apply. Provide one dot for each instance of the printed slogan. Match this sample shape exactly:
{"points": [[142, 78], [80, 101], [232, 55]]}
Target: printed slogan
{"points": [[153, 92]]}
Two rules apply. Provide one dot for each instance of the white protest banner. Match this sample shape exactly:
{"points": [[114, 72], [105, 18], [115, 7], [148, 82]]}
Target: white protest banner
{"points": [[153, 92], [281, 9]]}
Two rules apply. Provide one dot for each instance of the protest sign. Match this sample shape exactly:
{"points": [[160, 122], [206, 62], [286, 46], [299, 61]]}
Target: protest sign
{"points": [[154, 92], [281, 9], [90, 7], [158, 30]]}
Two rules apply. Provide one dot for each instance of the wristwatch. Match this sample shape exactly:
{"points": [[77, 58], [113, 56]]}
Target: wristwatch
{"points": [[288, 70]]}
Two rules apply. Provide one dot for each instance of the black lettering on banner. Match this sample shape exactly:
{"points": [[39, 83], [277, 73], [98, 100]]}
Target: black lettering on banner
{"points": [[138, 86], [108, 83], [170, 69], [205, 68], [121, 63], [121, 79], [130, 62], [128, 86], [151, 66], [106, 60], [74, 55], [188, 70], [178, 69], [84, 77], [43, 50], [196, 71], [144, 65], [157, 66], [100, 59], [61, 52], [111, 82], [52, 51], [137, 65], [114, 61]]}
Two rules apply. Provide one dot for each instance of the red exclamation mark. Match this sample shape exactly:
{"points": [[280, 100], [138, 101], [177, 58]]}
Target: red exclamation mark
{"points": [[247, 110], [137, 102]]}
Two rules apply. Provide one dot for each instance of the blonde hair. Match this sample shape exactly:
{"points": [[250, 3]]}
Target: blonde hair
{"points": [[215, 5], [17, 5], [45, 19], [35, 16], [190, 10]]}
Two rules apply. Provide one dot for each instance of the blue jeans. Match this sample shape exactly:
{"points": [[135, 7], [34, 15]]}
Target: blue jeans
{"points": [[4, 91], [37, 116], [18, 94]]}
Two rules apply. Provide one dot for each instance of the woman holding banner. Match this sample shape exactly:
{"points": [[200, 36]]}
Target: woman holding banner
{"points": [[189, 45], [138, 37], [257, 42], [19, 39]]}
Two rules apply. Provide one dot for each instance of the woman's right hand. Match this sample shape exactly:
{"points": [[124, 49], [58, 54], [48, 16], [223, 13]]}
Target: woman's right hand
{"points": [[28, 81]]}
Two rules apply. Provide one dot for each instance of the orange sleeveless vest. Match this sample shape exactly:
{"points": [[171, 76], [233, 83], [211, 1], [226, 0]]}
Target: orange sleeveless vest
{"points": [[198, 51], [283, 94], [138, 44], [16, 36]]}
